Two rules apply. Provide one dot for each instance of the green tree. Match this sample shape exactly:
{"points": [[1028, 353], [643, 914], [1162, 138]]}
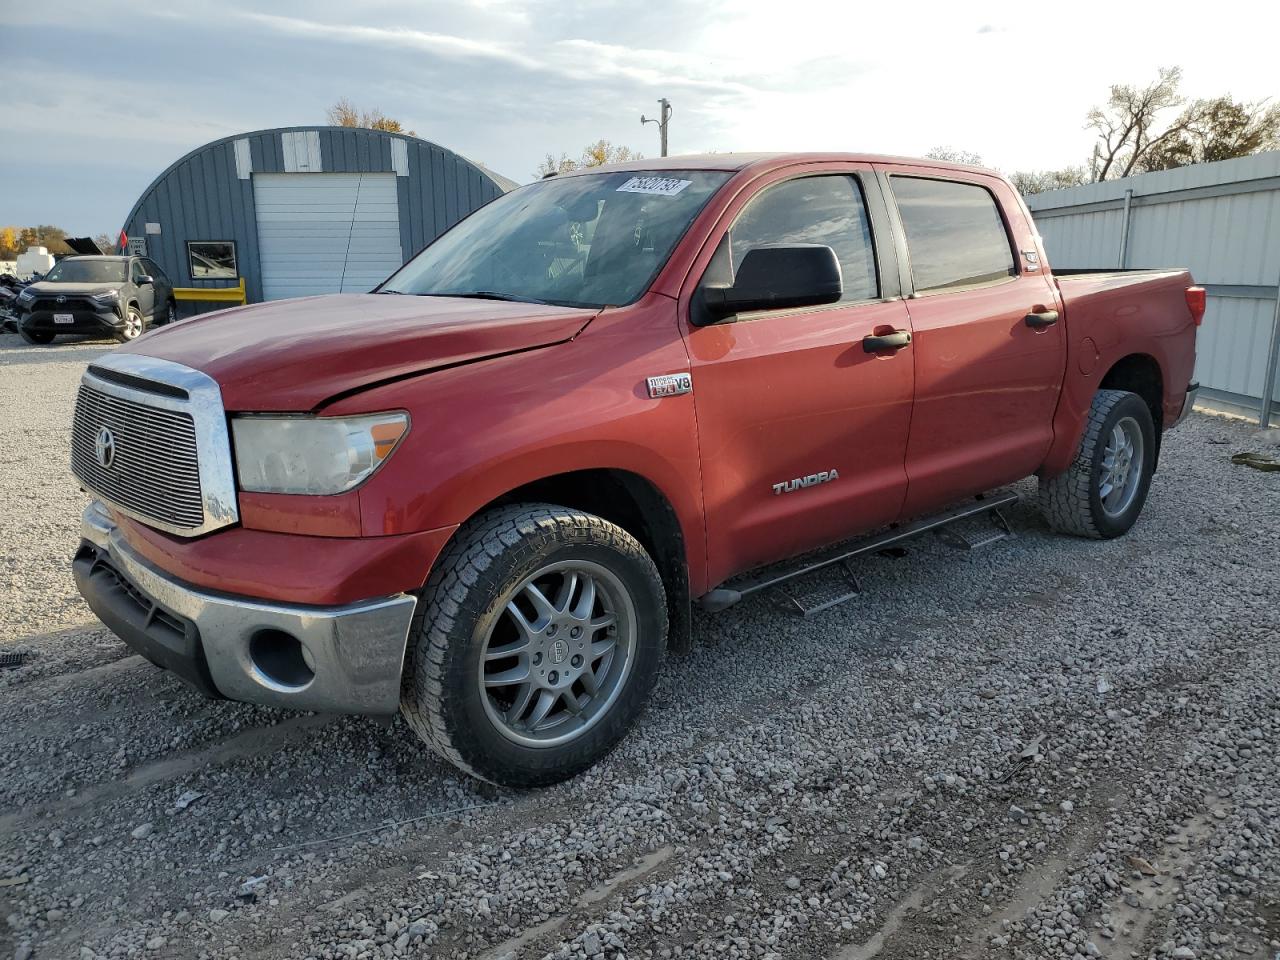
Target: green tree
{"points": [[1217, 129]]}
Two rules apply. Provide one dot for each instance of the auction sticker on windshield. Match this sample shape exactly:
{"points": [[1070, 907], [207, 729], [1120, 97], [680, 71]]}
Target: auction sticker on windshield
{"points": [[664, 186]]}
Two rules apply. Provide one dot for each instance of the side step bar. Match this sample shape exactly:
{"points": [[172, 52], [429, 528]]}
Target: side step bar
{"points": [[774, 577]]}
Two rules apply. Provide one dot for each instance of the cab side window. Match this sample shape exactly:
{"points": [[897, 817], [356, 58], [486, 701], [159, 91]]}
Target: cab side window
{"points": [[136, 272], [826, 209], [955, 235], [153, 268]]}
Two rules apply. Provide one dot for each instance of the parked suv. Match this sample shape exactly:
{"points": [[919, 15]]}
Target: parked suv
{"points": [[119, 296], [487, 493]]}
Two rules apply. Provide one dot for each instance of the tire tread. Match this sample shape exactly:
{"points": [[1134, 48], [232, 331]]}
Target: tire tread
{"points": [[424, 701], [1064, 498]]}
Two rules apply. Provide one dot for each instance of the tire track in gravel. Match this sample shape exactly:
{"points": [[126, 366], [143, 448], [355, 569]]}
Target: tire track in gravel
{"points": [[1158, 731], [257, 741]]}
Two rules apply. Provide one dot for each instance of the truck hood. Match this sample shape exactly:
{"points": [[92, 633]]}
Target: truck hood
{"points": [[293, 355]]}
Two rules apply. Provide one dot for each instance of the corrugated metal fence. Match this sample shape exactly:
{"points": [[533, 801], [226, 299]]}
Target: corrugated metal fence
{"points": [[1220, 219]]}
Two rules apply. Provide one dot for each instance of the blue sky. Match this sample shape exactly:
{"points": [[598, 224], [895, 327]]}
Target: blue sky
{"points": [[103, 96]]}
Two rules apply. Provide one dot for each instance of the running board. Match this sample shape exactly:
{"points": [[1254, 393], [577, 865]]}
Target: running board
{"points": [[774, 578]]}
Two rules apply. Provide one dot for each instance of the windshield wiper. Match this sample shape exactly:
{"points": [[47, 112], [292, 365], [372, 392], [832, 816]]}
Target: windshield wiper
{"points": [[397, 292], [486, 295]]}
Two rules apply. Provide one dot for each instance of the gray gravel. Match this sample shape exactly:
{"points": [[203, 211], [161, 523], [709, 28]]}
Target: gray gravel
{"points": [[1048, 748]]}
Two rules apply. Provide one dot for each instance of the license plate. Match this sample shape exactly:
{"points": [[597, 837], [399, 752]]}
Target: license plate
{"points": [[63, 318]]}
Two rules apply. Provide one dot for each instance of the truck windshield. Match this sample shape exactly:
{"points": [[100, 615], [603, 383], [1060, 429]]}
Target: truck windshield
{"points": [[87, 271], [592, 240]]}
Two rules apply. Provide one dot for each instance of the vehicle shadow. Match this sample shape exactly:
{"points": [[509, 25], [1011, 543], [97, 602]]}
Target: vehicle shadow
{"points": [[15, 351]]}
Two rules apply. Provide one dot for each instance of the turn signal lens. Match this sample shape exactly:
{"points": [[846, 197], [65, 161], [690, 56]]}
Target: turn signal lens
{"points": [[1196, 301]]}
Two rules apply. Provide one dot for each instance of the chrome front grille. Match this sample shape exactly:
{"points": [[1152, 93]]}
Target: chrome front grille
{"points": [[154, 469], [150, 439]]}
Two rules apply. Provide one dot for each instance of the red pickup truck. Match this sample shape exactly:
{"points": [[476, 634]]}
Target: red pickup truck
{"points": [[487, 493]]}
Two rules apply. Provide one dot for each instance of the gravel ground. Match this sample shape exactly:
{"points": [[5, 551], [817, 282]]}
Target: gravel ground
{"points": [[1046, 748]]}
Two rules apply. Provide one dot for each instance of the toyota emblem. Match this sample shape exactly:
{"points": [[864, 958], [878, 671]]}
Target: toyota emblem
{"points": [[104, 447], [61, 299]]}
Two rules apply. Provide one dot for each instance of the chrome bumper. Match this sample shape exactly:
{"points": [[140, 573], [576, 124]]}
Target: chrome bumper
{"points": [[1193, 391], [354, 653]]}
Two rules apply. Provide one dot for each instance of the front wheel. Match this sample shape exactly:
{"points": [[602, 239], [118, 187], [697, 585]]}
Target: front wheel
{"points": [[1103, 491], [133, 325], [536, 644]]}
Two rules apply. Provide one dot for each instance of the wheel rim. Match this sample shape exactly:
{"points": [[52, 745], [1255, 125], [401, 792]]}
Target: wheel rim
{"points": [[1122, 466], [559, 653], [132, 324]]}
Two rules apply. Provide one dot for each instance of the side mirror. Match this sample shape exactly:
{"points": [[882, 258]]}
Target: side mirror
{"points": [[778, 277], [145, 279]]}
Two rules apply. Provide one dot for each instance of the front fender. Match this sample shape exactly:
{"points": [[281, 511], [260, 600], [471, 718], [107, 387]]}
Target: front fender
{"points": [[484, 429]]}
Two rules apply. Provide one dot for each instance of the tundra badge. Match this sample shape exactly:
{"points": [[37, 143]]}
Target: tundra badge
{"points": [[670, 385], [799, 483]]}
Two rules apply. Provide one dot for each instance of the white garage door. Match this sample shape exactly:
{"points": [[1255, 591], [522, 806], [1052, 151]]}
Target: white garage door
{"points": [[326, 232]]}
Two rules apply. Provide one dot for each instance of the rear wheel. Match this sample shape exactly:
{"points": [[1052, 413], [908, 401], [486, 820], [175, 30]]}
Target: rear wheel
{"points": [[133, 325], [537, 642], [38, 337], [1105, 488], [170, 314]]}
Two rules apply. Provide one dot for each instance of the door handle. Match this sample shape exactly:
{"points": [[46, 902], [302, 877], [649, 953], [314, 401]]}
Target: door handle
{"points": [[1044, 318], [890, 341]]}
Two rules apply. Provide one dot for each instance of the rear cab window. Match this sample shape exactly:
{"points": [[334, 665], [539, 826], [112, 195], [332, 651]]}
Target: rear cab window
{"points": [[955, 234]]}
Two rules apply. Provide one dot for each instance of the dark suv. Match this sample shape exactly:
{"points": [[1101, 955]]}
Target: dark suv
{"points": [[119, 296]]}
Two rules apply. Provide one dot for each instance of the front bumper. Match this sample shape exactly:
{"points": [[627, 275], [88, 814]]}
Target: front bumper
{"points": [[1193, 390], [104, 319], [345, 659]]}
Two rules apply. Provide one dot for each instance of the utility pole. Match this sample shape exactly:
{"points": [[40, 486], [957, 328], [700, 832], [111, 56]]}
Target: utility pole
{"points": [[664, 117]]}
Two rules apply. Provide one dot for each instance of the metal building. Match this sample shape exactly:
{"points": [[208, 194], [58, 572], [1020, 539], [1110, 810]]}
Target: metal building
{"points": [[1220, 219], [298, 211]]}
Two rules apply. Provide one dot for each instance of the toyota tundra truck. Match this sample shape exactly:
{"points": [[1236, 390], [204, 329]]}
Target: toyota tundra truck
{"points": [[488, 493]]}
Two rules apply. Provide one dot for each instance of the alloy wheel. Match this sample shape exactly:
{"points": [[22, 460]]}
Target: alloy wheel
{"points": [[558, 654], [1122, 464]]}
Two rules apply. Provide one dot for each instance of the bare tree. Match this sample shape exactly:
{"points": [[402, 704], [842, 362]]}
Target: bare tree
{"points": [[1126, 125], [1027, 182], [345, 114], [952, 155]]}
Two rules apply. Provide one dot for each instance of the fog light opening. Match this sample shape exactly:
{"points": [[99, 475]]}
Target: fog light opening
{"points": [[281, 659]]}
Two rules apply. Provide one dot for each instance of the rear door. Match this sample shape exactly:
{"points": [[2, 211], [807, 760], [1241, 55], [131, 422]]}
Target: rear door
{"points": [[164, 288], [802, 432], [989, 353]]}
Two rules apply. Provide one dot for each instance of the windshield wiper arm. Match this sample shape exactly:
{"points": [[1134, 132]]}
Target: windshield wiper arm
{"points": [[486, 295]]}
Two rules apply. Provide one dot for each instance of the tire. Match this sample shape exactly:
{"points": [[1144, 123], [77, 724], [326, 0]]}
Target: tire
{"points": [[1093, 498], [170, 314], [40, 338], [134, 325], [458, 693]]}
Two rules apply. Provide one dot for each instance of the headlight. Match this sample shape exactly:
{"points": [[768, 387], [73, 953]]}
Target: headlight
{"points": [[109, 297], [27, 294], [313, 455]]}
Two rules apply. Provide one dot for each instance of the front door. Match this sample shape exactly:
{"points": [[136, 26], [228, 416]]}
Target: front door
{"points": [[989, 349], [146, 291], [802, 432]]}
